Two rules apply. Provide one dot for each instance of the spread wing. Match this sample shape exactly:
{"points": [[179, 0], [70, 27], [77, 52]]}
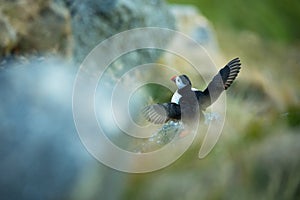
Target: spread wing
{"points": [[230, 72], [161, 113], [219, 83]]}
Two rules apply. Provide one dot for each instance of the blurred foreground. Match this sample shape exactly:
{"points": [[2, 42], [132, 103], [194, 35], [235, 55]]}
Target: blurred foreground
{"points": [[256, 157]]}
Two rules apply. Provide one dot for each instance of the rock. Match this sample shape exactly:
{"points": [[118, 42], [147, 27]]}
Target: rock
{"points": [[8, 35], [41, 154], [35, 26], [191, 22], [103, 6], [49, 26], [93, 22], [198, 30]]}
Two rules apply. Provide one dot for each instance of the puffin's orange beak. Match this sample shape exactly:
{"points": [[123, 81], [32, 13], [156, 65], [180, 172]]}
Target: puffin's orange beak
{"points": [[173, 78]]}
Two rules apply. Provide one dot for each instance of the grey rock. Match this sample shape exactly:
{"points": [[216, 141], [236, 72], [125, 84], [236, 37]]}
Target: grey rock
{"points": [[41, 154], [95, 5], [91, 25], [191, 22], [74, 27]]}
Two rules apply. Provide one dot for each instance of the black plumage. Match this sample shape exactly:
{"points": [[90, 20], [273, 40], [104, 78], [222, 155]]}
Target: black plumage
{"points": [[161, 113]]}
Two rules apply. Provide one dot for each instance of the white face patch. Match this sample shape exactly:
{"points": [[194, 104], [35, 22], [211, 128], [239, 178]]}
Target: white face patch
{"points": [[179, 83]]}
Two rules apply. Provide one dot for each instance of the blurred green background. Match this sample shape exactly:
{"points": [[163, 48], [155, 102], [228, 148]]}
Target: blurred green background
{"points": [[257, 156], [272, 20]]}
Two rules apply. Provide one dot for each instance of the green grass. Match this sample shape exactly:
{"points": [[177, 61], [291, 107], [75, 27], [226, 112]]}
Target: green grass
{"points": [[278, 20]]}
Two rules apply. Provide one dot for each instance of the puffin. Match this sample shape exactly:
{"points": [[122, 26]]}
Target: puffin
{"points": [[187, 101]]}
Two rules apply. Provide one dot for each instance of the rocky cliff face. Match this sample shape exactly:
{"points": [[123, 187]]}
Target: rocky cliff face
{"points": [[94, 22], [73, 28]]}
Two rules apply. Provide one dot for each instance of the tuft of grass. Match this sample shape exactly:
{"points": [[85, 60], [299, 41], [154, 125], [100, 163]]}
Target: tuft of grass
{"points": [[293, 116]]}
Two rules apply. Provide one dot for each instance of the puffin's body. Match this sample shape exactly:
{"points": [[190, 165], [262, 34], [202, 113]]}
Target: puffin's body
{"points": [[186, 100]]}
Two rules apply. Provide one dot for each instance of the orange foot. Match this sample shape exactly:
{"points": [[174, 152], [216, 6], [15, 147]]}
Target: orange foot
{"points": [[184, 133]]}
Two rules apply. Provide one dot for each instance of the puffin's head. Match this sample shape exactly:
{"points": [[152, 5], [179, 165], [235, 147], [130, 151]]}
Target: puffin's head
{"points": [[181, 81]]}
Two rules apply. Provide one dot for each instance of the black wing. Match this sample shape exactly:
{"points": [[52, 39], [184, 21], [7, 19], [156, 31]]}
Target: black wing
{"points": [[230, 72], [161, 113], [219, 83]]}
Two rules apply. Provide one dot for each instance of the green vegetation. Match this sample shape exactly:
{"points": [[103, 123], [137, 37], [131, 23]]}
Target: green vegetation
{"points": [[277, 20], [257, 156]]}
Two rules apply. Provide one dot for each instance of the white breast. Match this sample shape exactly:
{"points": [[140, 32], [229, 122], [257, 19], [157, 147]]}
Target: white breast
{"points": [[176, 96]]}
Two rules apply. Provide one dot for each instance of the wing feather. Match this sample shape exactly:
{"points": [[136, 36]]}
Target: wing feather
{"points": [[222, 81], [161, 113]]}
